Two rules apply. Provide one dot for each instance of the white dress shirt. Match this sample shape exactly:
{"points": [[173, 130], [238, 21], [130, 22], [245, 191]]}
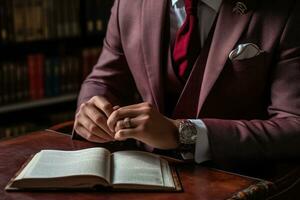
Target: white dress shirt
{"points": [[207, 11]]}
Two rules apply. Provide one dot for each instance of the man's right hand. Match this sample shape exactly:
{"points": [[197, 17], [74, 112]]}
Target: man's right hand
{"points": [[91, 120]]}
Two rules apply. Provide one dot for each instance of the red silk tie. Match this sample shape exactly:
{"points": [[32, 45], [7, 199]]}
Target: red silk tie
{"points": [[187, 44]]}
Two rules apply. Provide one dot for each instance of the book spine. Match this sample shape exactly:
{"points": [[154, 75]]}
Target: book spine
{"points": [[32, 76], [9, 20], [47, 77], [62, 75], [55, 77], [66, 18], [59, 17], [53, 9], [1, 85], [73, 66], [36, 20], [51, 19], [19, 17], [77, 79], [98, 16], [25, 82], [69, 74], [45, 19], [6, 82], [39, 60], [89, 12], [3, 28], [28, 7], [19, 91], [11, 82], [74, 17], [85, 63]]}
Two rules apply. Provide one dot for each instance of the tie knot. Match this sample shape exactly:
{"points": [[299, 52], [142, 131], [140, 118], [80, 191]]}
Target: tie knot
{"points": [[191, 7]]}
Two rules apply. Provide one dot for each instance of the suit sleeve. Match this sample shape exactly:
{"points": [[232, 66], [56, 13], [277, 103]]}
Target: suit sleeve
{"points": [[110, 77], [277, 138]]}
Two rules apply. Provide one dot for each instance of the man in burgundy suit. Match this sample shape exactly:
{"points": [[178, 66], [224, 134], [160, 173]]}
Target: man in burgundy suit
{"points": [[219, 79]]}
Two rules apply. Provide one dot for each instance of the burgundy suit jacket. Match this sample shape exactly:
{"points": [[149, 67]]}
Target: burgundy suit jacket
{"points": [[251, 107]]}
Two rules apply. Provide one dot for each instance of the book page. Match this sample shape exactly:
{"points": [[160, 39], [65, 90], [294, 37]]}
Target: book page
{"points": [[55, 163], [140, 168]]}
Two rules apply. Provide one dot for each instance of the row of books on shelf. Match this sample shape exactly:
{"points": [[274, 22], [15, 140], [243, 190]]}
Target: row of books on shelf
{"points": [[29, 20], [18, 129], [21, 128], [39, 76], [97, 13]]}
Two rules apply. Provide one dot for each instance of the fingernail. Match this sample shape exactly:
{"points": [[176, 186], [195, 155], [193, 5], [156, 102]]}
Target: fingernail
{"points": [[116, 107]]}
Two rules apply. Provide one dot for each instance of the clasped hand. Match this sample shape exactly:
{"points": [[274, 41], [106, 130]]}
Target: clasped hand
{"points": [[98, 121]]}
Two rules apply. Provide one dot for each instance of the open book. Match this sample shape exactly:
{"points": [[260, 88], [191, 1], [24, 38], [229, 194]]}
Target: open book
{"points": [[89, 168]]}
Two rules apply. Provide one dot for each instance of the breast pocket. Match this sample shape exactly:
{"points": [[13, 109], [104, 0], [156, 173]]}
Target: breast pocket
{"points": [[255, 63]]}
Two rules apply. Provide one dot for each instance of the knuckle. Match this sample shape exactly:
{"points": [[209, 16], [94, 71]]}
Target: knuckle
{"points": [[143, 127], [83, 105], [78, 119], [89, 137], [147, 119], [88, 104], [121, 132], [106, 106], [119, 125], [76, 128], [94, 98], [76, 123], [147, 109], [93, 128], [77, 115], [148, 105], [116, 113], [99, 119]]}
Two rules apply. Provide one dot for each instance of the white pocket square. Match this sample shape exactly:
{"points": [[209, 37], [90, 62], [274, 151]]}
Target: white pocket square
{"points": [[245, 51]]}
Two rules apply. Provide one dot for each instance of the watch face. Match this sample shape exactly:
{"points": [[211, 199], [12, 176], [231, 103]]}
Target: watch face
{"points": [[187, 132]]}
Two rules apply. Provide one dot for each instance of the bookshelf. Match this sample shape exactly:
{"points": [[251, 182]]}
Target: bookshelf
{"points": [[38, 103], [47, 49]]}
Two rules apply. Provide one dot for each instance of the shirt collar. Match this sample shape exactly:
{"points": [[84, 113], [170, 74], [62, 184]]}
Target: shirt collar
{"points": [[214, 4]]}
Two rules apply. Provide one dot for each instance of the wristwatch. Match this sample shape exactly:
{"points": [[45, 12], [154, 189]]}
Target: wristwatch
{"points": [[187, 135]]}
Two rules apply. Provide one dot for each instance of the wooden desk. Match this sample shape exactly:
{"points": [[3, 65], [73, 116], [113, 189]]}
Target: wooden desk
{"points": [[198, 182]]}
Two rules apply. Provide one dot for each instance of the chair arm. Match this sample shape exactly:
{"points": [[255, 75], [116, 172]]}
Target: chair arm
{"points": [[65, 127]]}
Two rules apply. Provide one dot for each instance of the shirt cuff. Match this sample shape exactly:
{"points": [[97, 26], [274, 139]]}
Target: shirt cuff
{"points": [[202, 149]]}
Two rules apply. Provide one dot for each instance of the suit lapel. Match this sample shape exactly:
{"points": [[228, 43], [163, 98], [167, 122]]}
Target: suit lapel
{"points": [[153, 24], [229, 29]]}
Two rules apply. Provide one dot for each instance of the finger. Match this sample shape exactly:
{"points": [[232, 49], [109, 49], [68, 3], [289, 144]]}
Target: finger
{"points": [[128, 111], [134, 122], [139, 105], [125, 134], [87, 135], [93, 128], [121, 114], [103, 105], [98, 118]]}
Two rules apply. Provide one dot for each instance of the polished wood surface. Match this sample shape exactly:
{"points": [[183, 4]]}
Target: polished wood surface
{"points": [[198, 182]]}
